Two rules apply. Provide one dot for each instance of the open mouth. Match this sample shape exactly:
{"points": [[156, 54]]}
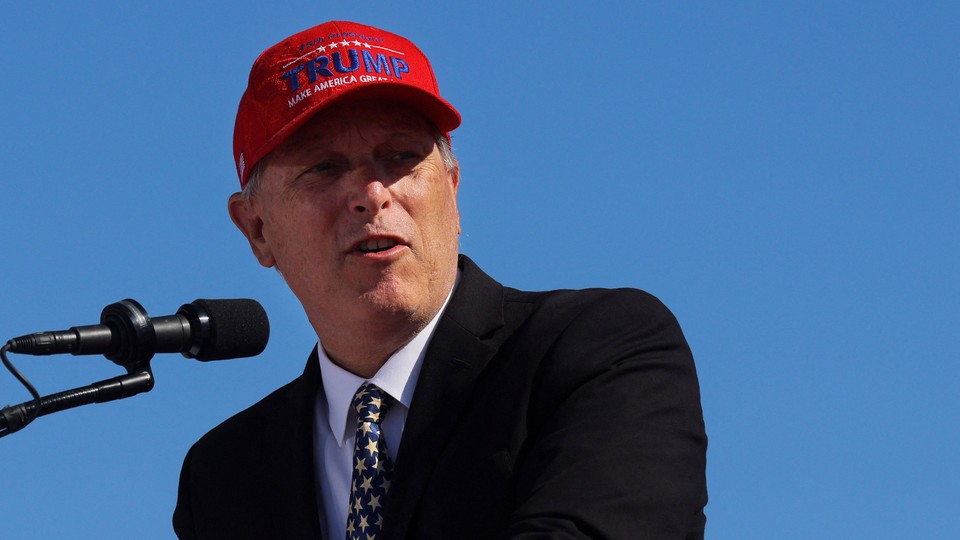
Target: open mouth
{"points": [[376, 245]]}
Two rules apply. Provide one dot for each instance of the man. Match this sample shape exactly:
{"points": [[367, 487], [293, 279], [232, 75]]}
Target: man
{"points": [[437, 403]]}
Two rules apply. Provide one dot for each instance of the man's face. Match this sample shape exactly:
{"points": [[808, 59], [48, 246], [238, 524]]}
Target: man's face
{"points": [[358, 212]]}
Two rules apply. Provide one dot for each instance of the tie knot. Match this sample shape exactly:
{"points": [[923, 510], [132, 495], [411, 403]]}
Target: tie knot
{"points": [[371, 402]]}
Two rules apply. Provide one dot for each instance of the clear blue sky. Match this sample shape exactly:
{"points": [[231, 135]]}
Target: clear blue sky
{"points": [[784, 175]]}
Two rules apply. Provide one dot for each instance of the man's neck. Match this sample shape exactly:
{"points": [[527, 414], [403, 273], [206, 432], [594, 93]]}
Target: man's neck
{"points": [[362, 347], [364, 352]]}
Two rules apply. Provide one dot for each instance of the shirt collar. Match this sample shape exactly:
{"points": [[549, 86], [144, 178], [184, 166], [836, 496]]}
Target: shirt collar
{"points": [[397, 377]]}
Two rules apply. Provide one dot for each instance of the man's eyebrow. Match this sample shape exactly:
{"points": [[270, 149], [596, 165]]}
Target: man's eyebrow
{"points": [[408, 136], [406, 129]]}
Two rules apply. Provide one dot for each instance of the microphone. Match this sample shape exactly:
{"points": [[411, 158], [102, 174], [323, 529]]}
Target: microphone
{"points": [[204, 329]]}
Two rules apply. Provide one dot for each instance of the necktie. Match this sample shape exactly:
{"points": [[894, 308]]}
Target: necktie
{"points": [[371, 465]]}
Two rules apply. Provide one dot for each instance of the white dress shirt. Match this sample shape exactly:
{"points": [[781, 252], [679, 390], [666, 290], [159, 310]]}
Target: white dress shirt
{"points": [[335, 421]]}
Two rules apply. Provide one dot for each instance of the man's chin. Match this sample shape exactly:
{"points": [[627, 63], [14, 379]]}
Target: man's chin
{"points": [[398, 304]]}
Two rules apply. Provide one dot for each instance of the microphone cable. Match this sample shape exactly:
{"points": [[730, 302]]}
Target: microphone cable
{"points": [[32, 415]]}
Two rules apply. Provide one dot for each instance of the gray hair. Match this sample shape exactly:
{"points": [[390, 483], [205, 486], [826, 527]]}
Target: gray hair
{"points": [[442, 141]]}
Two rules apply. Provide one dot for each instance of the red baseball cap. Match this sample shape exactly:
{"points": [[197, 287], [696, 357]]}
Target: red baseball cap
{"points": [[329, 64]]}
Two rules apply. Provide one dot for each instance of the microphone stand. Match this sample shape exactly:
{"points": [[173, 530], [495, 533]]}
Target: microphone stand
{"points": [[129, 337], [132, 348], [137, 381]]}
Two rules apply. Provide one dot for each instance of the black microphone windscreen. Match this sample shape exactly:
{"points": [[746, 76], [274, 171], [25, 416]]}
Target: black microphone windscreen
{"points": [[239, 328]]}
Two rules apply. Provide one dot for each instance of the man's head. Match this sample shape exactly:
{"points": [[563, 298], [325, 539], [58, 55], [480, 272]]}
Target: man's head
{"points": [[356, 204]]}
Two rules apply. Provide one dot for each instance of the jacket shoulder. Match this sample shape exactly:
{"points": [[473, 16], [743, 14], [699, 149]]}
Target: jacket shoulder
{"points": [[252, 475], [602, 310], [249, 423]]}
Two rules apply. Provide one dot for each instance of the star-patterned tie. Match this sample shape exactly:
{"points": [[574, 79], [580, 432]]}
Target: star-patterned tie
{"points": [[371, 465]]}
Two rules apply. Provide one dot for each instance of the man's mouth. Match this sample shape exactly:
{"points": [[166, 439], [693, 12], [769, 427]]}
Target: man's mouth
{"points": [[376, 245]]}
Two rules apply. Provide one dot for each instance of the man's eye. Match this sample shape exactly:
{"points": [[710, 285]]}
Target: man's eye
{"points": [[406, 156], [326, 166]]}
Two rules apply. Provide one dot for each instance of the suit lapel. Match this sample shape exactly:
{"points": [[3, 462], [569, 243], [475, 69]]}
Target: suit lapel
{"points": [[462, 345], [293, 457]]}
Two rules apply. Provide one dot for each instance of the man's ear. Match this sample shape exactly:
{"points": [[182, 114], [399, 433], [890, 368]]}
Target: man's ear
{"points": [[455, 178], [455, 183], [246, 217]]}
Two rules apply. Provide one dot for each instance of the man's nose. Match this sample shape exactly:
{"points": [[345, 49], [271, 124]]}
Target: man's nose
{"points": [[370, 194]]}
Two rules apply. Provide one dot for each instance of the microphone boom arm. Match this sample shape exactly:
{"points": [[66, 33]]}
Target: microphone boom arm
{"points": [[14, 417]]}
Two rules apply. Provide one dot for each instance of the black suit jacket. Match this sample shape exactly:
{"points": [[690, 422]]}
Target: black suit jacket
{"points": [[561, 414]]}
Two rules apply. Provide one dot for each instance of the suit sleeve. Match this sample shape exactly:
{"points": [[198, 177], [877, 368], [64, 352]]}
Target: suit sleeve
{"points": [[183, 514], [618, 446]]}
